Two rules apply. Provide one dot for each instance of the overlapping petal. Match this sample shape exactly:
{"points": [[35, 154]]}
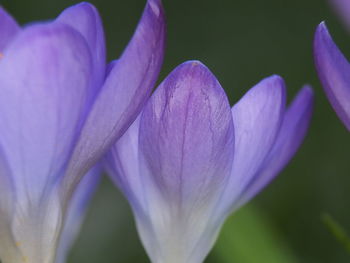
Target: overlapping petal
{"points": [[122, 161], [126, 88], [76, 212], [292, 133], [334, 72], [257, 118], [8, 29], [44, 66], [85, 18]]}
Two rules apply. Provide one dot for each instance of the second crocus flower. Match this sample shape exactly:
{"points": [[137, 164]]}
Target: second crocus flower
{"points": [[190, 160]]}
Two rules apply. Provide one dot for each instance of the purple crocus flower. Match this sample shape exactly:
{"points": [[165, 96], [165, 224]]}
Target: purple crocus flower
{"points": [[189, 160], [61, 108], [334, 72]]}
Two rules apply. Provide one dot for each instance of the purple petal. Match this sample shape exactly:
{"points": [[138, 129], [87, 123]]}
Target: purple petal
{"points": [[8, 29], [294, 127], [44, 75], [7, 199], [257, 118], [122, 163], [334, 72], [85, 19], [187, 134], [124, 93], [186, 149], [76, 212]]}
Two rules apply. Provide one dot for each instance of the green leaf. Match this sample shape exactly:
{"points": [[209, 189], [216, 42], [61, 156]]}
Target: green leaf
{"points": [[337, 230], [248, 237]]}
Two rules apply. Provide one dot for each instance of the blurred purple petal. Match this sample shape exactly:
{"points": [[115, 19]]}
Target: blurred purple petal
{"points": [[294, 127], [8, 29], [257, 118], [334, 72], [342, 7], [76, 212], [54, 63], [7, 199], [125, 90], [44, 66], [85, 18], [61, 109]]}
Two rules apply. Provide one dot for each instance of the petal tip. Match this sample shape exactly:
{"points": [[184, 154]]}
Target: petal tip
{"points": [[306, 93], [85, 6], [307, 88], [277, 79], [275, 82], [155, 6], [322, 39], [192, 64], [195, 72]]}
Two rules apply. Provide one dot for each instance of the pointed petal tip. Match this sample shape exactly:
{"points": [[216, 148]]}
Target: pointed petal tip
{"points": [[333, 71], [156, 7], [321, 33], [322, 40]]}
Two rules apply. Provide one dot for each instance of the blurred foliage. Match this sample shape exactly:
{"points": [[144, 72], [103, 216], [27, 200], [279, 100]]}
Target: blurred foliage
{"points": [[248, 237], [337, 230], [241, 42]]}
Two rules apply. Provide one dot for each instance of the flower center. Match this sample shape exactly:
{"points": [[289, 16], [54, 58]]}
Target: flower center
{"points": [[1, 55]]}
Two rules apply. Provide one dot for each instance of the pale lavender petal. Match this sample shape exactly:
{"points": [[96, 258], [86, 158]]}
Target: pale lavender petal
{"points": [[334, 72], [293, 130], [257, 118], [124, 93], [186, 150], [44, 75], [45, 72], [8, 29], [76, 212], [7, 198], [85, 18], [122, 164]]}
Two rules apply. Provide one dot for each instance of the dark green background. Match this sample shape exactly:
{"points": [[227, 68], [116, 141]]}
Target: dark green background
{"points": [[242, 42]]}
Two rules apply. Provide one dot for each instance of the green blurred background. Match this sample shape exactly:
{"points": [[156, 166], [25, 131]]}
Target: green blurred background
{"points": [[241, 42]]}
